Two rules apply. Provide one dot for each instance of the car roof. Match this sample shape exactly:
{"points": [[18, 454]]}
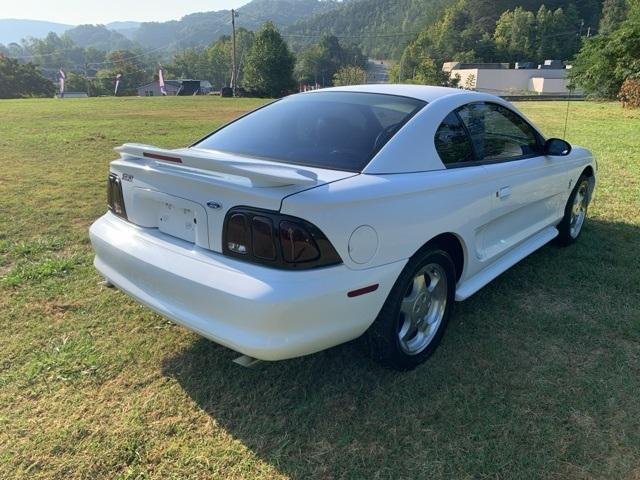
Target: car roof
{"points": [[426, 93], [412, 148]]}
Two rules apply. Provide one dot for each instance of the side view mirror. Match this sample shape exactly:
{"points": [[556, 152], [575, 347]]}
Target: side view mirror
{"points": [[556, 147]]}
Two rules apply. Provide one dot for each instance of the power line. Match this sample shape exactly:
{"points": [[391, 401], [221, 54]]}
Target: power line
{"points": [[363, 35]]}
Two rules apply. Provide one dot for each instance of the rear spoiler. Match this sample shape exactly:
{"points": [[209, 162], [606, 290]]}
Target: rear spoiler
{"points": [[261, 174]]}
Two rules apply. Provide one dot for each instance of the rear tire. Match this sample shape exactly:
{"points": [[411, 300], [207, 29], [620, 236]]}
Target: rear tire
{"points": [[415, 315], [575, 213]]}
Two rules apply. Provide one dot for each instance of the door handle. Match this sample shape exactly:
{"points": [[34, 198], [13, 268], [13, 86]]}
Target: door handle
{"points": [[504, 192]]}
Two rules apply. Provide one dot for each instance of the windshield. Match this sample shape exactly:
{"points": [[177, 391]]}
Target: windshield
{"points": [[337, 130]]}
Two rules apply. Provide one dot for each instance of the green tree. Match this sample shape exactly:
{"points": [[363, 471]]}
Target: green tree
{"points": [[213, 63], [521, 34], [244, 42], [75, 83], [190, 63], [350, 75], [53, 51], [457, 36], [269, 64], [556, 33], [130, 66], [219, 57], [515, 34], [308, 67], [606, 61], [486, 31], [320, 62], [422, 70], [22, 80], [613, 14]]}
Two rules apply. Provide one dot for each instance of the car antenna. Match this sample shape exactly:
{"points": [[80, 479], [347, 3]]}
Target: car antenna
{"points": [[566, 116]]}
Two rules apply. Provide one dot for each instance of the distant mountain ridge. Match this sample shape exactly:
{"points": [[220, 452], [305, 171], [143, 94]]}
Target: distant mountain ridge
{"points": [[199, 29], [99, 37], [118, 26], [196, 29], [15, 29]]}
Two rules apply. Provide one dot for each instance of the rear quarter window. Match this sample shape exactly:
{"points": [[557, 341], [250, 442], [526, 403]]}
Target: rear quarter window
{"points": [[452, 142]]}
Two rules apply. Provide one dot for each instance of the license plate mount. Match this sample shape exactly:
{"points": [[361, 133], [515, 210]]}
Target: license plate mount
{"points": [[177, 221]]}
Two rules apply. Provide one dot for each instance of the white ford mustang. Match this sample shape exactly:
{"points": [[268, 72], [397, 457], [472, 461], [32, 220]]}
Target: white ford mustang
{"points": [[336, 213]]}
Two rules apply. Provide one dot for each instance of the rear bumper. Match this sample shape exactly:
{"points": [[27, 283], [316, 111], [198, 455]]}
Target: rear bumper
{"points": [[261, 312]]}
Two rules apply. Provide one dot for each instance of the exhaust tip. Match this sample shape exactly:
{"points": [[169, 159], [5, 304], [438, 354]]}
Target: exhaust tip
{"points": [[106, 283], [246, 361]]}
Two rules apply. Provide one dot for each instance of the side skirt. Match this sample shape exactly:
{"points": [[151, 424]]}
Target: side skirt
{"points": [[480, 279]]}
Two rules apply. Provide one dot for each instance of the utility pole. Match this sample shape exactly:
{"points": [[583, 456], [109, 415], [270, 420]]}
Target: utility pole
{"points": [[234, 72], [86, 79]]}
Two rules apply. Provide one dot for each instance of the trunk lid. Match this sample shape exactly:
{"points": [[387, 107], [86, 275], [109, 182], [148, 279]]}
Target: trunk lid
{"points": [[186, 193]]}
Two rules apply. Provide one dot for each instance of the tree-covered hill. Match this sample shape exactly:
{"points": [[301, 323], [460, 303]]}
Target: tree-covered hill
{"points": [[98, 37], [380, 27], [384, 27], [485, 31], [201, 29]]}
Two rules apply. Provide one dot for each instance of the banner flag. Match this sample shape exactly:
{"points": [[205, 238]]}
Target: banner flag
{"points": [[118, 77], [62, 79], [163, 91]]}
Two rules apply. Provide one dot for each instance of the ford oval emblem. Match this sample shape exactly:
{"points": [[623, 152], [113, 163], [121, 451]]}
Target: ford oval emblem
{"points": [[214, 205]]}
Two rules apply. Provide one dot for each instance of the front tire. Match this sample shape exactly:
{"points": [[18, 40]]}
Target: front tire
{"points": [[415, 315], [575, 213]]}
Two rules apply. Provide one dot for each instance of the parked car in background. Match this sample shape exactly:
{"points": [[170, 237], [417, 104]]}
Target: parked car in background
{"points": [[339, 213]]}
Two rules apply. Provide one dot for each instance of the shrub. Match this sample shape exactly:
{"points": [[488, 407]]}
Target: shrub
{"points": [[629, 93], [350, 75]]}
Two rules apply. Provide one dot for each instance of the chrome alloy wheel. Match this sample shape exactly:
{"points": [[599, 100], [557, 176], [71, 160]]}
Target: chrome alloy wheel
{"points": [[579, 209], [422, 309]]}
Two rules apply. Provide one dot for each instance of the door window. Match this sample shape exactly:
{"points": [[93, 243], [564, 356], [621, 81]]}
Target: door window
{"points": [[498, 133], [452, 142]]}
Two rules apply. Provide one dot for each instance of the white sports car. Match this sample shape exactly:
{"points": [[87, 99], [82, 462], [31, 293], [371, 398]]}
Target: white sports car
{"points": [[339, 213]]}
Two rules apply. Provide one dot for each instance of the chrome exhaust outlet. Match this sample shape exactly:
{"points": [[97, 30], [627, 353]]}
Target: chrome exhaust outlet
{"points": [[246, 361], [106, 283]]}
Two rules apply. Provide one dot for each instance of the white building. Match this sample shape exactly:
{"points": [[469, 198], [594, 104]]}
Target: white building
{"points": [[496, 79]]}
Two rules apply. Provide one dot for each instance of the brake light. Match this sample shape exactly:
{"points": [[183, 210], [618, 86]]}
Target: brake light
{"points": [[166, 158], [115, 199], [280, 241]]}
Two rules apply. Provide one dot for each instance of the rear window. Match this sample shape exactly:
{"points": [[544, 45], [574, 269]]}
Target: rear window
{"points": [[337, 130]]}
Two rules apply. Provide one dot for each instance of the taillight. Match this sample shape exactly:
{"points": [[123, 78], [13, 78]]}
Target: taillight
{"points": [[115, 199], [280, 241], [297, 243], [262, 240], [238, 234]]}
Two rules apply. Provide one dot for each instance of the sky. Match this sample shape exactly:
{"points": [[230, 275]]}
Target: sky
{"points": [[75, 12]]}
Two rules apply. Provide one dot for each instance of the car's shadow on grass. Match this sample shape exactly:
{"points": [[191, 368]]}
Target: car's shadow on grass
{"points": [[469, 409]]}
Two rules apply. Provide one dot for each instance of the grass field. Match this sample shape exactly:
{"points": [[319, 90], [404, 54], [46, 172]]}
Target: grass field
{"points": [[537, 377]]}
